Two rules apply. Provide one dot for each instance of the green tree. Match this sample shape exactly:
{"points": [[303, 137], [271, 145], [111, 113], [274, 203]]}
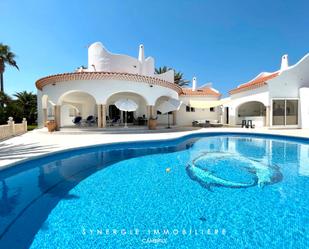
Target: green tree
{"points": [[161, 70], [5, 100], [179, 79], [6, 58], [178, 76], [27, 102]]}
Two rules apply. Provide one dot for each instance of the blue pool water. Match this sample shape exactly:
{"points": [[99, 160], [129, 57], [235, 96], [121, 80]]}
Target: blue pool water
{"points": [[214, 191]]}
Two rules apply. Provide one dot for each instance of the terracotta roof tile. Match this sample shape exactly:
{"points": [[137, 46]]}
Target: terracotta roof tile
{"points": [[206, 91], [256, 83], [52, 79]]}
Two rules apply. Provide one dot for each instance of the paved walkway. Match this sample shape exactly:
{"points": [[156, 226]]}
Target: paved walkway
{"points": [[39, 142]]}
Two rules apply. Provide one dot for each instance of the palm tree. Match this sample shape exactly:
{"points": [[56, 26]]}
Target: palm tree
{"points": [[161, 70], [179, 79], [27, 101], [4, 99], [6, 57], [178, 76]]}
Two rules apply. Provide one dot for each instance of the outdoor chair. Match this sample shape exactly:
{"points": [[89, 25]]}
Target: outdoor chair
{"points": [[77, 120], [90, 120], [250, 124], [136, 121], [109, 122], [116, 121], [201, 123], [214, 123]]}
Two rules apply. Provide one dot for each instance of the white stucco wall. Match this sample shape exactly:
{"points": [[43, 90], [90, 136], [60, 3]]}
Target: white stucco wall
{"points": [[304, 107], [102, 91], [184, 118], [287, 84], [101, 60], [260, 95]]}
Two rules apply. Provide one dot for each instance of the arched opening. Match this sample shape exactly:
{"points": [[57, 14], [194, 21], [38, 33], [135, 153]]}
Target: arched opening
{"points": [[162, 119], [74, 104], [116, 117], [254, 111], [47, 109]]}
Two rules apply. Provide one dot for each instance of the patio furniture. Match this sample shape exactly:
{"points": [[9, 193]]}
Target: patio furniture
{"points": [[109, 122], [249, 124], [201, 123], [77, 120], [135, 121], [142, 121], [214, 123], [116, 121], [90, 120]]}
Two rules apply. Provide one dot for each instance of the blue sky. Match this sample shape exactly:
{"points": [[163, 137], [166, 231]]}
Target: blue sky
{"points": [[223, 42]]}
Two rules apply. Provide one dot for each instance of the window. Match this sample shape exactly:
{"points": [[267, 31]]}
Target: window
{"points": [[190, 109], [212, 109], [285, 112]]}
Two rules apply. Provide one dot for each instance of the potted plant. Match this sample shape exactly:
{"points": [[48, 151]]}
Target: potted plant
{"points": [[152, 123], [51, 125]]}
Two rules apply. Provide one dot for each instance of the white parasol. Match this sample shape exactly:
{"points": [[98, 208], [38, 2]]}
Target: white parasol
{"points": [[126, 105], [169, 106]]}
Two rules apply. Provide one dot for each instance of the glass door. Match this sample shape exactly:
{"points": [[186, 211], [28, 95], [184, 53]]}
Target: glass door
{"points": [[291, 112], [278, 112], [285, 112]]}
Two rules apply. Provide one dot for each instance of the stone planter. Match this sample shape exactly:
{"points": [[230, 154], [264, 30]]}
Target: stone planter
{"points": [[152, 124], [51, 125]]}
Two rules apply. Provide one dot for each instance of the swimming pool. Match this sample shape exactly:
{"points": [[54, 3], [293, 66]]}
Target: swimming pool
{"points": [[200, 191]]}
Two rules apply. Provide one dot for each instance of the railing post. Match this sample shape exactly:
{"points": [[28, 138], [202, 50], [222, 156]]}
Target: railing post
{"points": [[25, 124], [11, 123]]}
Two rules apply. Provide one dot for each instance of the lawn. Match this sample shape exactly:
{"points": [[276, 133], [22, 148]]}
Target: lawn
{"points": [[31, 127]]}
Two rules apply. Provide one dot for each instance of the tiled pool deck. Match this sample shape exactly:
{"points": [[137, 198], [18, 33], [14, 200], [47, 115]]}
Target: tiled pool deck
{"points": [[39, 142]]}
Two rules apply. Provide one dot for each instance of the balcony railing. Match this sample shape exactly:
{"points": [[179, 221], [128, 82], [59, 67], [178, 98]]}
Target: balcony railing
{"points": [[11, 129]]}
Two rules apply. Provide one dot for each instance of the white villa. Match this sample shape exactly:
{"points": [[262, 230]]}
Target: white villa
{"points": [[110, 77], [278, 99]]}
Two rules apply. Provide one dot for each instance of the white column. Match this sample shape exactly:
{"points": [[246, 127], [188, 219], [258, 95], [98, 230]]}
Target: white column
{"points": [[267, 118], [149, 109], [25, 124], [11, 123], [57, 109], [44, 116], [103, 116], [99, 110]]}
